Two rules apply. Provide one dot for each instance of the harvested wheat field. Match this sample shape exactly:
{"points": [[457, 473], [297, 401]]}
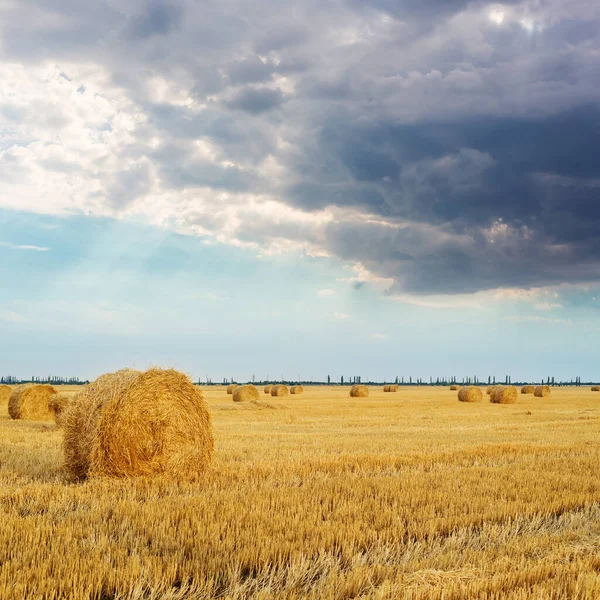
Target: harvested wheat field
{"points": [[394, 496]]}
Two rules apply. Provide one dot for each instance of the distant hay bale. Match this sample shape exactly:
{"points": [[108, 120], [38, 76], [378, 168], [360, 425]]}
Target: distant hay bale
{"points": [[279, 390], [245, 393], [129, 424], [596, 388], [5, 392], [31, 402], [527, 389], [359, 391], [268, 389], [58, 403], [541, 391], [490, 390], [231, 387], [470, 393], [454, 387], [504, 394], [392, 387], [296, 389]]}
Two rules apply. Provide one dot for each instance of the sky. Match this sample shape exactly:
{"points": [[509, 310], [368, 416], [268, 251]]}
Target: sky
{"points": [[293, 190]]}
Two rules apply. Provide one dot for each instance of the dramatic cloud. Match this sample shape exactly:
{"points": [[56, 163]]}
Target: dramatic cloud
{"points": [[443, 147]]}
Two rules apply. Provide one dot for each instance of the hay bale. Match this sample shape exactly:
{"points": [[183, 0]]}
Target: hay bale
{"points": [[470, 393], [359, 391], [5, 392], [490, 390], [279, 390], [296, 389], [245, 393], [231, 387], [596, 388], [58, 403], [541, 391], [504, 394], [454, 387], [31, 402], [392, 387], [527, 389], [128, 424], [268, 389]]}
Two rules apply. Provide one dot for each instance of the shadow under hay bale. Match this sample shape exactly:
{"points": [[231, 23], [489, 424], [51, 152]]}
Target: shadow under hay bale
{"points": [[504, 394], [527, 389], [359, 391], [470, 394], [279, 390], [245, 393], [267, 389], [231, 387], [296, 389], [541, 391], [128, 424], [31, 402]]}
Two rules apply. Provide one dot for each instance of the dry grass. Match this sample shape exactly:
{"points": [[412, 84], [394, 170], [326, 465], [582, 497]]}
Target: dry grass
{"points": [[541, 391], [407, 496], [129, 423], [31, 402], [470, 393]]}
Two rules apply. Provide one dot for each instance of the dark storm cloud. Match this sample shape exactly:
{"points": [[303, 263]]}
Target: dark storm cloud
{"points": [[461, 151]]}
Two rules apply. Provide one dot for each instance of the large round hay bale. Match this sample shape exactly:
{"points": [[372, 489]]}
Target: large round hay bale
{"points": [[504, 394], [527, 389], [58, 403], [359, 391], [296, 389], [31, 402], [231, 387], [541, 391], [128, 424], [470, 393], [454, 387], [5, 392], [245, 393], [279, 390], [490, 390], [596, 388], [268, 389]]}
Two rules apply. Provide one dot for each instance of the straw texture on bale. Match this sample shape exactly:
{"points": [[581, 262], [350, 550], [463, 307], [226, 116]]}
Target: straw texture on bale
{"points": [[470, 393], [541, 391], [31, 402], [267, 389], [58, 403], [504, 394], [245, 393], [392, 387], [596, 388], [296, 389], [454, 387], [5, 392], [527, 389], [231, 387], [490, 390], [128, 424], [359, 391], [279, 390]]}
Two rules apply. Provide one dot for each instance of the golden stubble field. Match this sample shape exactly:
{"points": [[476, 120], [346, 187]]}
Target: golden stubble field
{"points": [[403, 495]]}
